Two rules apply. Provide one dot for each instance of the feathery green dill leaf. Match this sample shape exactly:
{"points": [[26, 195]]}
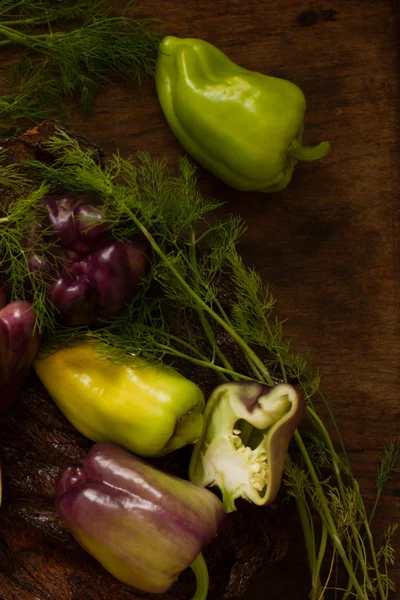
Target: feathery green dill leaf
{"points": [[26, 13], [69, 61], [296, 479], [386, 551], [27, 104], [11, 175], [386, 555], [386, 467], [15, 246]]}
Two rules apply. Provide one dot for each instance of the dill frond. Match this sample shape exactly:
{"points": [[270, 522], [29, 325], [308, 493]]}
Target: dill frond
{"points": [[296, 480], [192, 253], [69, 62], [22, 213], [27, 13], [386, 551], [11, 175], [26, 104], [387, 465]]}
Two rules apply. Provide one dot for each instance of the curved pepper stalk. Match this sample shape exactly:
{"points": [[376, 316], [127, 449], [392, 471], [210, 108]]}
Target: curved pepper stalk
{"points": [[244, 127], [144, 526], [220, 458]]}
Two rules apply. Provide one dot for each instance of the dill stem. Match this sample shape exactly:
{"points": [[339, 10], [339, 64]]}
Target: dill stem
{"points": [[36, 41], [203, 363], [197, 352], [316, 582], [354, 530], [327, 515], [372, 547], [192, 349], [329, 575], [238, 339], [47, 18], [248, 358], [203, 320], [4, 219], [203, 235], [386, 580], [375, 506], [349, 587], [335, 426], [5, 42], [14, 36], [16, 4], [307, 532], [247, 429], [222, 311], [278, 354]]}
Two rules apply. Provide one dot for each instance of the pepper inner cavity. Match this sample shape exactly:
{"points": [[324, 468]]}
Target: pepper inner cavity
{"points": [[249, 442]]}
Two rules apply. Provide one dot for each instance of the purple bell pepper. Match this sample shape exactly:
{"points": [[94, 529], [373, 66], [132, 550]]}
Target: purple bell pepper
{"points": [[144, 526], [19, 343], [92, 278]]}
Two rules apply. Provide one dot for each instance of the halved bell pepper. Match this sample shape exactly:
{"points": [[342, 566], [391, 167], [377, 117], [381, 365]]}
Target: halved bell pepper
{"points": [[246, 434], [148, 409]]}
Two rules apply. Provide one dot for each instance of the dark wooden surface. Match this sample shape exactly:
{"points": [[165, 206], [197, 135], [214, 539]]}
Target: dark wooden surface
{"points": [[328, 245]]}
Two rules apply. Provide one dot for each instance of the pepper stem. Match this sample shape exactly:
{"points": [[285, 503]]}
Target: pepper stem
{"points": [[308, 153], [200, 570]]}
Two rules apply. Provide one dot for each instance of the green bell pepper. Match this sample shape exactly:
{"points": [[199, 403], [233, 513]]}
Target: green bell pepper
{"points": [[244, 127]]}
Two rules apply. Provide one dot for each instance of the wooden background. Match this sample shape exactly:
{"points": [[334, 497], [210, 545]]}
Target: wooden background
{"points": [[329, 244]]}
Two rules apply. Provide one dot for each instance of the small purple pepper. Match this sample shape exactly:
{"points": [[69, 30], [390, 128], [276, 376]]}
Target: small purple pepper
{"points": [[19, 344], [144, 526], [91, 278], [78, 221]]}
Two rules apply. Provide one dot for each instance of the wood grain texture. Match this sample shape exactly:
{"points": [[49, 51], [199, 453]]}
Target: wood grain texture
{"points": [[328, 245]]}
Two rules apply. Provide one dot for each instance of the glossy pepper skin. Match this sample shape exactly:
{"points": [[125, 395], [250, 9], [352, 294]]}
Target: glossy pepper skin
{"points": [[144, 526], [149, 409], [92, 278], [244, 127], [239, 467], [19, 343]]}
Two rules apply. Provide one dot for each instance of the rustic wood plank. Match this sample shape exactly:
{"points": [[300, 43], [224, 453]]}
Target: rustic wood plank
{"points": [[328, 245]]}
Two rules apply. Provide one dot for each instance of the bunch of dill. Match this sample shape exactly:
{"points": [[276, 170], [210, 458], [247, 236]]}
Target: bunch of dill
{"points": [[71, 47], [187, 319]]}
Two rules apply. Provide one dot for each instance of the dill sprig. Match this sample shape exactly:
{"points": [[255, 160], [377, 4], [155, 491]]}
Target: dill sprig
{"points": [[43, 12], [11, 175], [19, 109], [386, 467], [15, 245], [194, 253], [69, 61], [386, 554]]}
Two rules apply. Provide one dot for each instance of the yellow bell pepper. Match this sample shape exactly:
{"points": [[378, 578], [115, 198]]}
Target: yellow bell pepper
{"points": [[148, 409]]}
